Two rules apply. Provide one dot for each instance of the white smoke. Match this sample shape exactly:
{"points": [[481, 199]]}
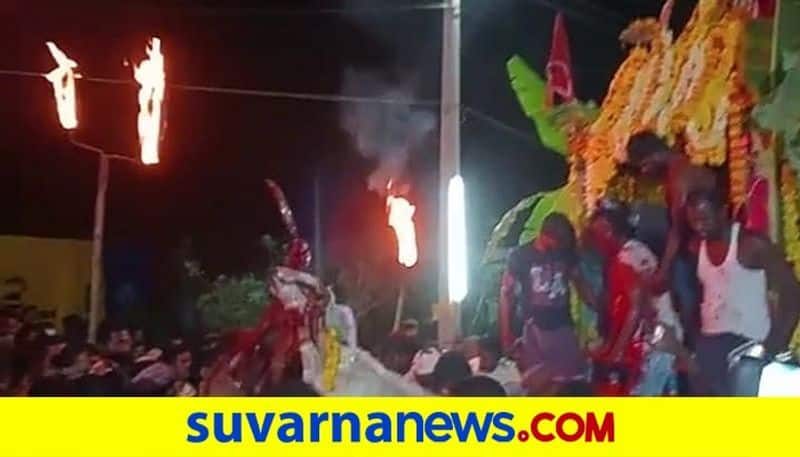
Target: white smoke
{"points": [[385, 132]]}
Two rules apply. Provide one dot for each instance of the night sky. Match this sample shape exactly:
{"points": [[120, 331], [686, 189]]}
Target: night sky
{"points": [[218, 148]]}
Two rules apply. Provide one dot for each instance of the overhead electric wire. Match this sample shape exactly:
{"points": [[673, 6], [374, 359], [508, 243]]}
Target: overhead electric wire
{"points": [[335, 98], [309, 96], [260, 11], [500, 125]]}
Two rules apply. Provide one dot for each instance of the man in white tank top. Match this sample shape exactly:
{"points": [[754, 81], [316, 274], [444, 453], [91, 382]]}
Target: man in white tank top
{"points": [[736, 269]]}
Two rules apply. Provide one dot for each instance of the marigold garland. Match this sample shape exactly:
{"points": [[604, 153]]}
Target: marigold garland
{"points": [[333, 354], [739, 145], [791, 227], [681, 89]]}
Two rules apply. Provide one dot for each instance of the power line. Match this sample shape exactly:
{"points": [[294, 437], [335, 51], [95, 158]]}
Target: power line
{"points": [[308, 96], [257, 11], [500, 125], [305, 96]]}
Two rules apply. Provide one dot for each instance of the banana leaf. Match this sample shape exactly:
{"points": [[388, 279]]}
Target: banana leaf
{"points": [[494, 248], [788, 38], [561, 200], [780, 111], [531, 93], [757, 51]]}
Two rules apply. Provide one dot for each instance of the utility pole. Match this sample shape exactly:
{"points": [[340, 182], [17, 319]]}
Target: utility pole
{"points": [[319, 264], [447, 314]]}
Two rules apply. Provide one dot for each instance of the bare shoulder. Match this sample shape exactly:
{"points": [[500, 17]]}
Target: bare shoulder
{"points": [[755, 250]]}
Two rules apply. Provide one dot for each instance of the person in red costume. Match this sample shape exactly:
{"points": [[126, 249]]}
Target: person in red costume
{"points": [[266, 355], [626, 363]]}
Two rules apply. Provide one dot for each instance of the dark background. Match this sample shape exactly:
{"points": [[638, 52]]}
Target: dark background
{"points": [[218, 148]]}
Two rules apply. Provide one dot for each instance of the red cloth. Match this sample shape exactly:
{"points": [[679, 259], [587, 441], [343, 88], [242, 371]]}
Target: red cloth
{"points": [[766, 8], [559, 65], [757, 210], [619, 278]]}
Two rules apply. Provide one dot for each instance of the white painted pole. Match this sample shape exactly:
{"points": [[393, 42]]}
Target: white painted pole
{"points": [[450, 161]]}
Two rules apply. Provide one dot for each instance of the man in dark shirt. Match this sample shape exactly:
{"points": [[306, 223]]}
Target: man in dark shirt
{"points": [[535, 293]]}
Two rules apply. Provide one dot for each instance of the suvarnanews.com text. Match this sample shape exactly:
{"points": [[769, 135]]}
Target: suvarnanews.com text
{"points": [[379, 427]]}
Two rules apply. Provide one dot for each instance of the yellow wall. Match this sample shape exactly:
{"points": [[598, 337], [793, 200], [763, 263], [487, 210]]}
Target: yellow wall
{"points": [[58, 271]]}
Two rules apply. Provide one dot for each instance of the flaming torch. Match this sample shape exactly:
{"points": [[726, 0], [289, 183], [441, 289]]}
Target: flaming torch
{"points": [[150, 76], [401, 219], [63, 80]]}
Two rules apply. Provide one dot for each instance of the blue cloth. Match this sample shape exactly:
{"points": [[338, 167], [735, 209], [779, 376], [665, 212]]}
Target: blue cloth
{"points": [[658, 377]]}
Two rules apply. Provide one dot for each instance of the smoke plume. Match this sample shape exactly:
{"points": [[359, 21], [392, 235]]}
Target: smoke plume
{"points": [[384, 132]]}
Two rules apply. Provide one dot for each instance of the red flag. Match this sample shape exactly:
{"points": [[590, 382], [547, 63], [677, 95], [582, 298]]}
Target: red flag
{"points": [[666, 13], [766, 8], [559, 66]]}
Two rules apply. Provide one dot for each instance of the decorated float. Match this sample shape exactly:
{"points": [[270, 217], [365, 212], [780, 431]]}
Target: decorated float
{"points": [[724, 91]]}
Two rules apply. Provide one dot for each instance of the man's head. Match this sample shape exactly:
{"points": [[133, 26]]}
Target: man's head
{"points": [[490, 353], [451, 368], [557, 235], [409, 328], [706, 214], [73, 361], [397, 352], [180, 357], [75, 329], [119, 339], [609, 227], [10, 323], [648, 154]]}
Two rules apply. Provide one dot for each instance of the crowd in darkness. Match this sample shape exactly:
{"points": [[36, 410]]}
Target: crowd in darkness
{"points": [[36, 359]]}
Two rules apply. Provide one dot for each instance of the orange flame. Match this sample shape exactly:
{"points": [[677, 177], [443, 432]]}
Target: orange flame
{"points": [[401, 219], [63, 80], [150, 76]]}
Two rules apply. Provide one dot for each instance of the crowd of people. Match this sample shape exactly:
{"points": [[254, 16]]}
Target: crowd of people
{"points": [[670, 315], [36, 359]]}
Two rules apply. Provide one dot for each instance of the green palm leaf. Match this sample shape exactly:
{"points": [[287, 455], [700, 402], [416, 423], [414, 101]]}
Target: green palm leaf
{"points": [[531, 93]]}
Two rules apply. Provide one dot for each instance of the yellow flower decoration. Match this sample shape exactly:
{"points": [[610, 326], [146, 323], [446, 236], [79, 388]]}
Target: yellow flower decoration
{"points": [[791, 231], [332, 357]]}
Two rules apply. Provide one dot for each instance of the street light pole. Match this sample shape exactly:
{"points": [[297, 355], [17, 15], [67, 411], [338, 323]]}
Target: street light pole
{"points": [[449, 161]]}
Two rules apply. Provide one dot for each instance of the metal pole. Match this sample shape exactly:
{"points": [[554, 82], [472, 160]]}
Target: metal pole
{"points": [[318, 254], [449, 159], [97, 247], [398, 309]]}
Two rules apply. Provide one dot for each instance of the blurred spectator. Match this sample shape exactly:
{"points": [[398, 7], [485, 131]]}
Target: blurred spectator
{"points": [[477, 386], [422, 366], [451, 368], [397, 353], [499, 368], [76, 330], [409, 328]]}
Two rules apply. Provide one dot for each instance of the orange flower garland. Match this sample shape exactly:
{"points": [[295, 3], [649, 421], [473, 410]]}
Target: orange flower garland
{"points": [[739, 157], [688, 88]]}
